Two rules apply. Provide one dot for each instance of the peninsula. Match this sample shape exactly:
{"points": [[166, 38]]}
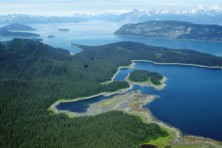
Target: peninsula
{"points": [[172, 30], [18, 27], [4, 32]]}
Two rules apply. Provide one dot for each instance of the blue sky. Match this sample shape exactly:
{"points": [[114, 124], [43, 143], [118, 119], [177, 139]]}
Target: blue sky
{"points": [[65, 7]]}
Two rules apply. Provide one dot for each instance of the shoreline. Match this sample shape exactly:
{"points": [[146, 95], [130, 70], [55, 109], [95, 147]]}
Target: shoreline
{"points": [[119, 92], [139, 36], [180, 64], [118, 70], [132, 103], [56, 111], [157, 87], [178, 137]]}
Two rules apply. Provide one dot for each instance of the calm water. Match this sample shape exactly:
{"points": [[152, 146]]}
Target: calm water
{"points": [[100, 32], [82, 105], [192, 99]]}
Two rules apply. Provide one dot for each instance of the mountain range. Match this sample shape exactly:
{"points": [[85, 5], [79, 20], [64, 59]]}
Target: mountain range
{"points": [[135, 16]]}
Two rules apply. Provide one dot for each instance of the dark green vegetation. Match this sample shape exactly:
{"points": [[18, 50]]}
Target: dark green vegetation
{"points": [[4, 32], [145, 76], [173, 29], [17, 27], [148, 146], [33, 76]]}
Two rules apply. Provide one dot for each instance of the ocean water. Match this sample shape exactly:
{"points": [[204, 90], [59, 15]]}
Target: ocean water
{"points": [[101, 32], [192, 99]]}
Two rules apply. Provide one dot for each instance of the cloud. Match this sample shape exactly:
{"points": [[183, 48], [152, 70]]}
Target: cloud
{"points": [[64, 7], [216, 7], [201, 7]]}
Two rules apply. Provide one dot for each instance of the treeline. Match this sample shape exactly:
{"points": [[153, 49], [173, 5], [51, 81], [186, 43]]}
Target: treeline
{"points": [[143, 76]]}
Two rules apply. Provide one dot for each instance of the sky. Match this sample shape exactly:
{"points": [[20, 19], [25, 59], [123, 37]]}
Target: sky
{"points": [[68, 7]]}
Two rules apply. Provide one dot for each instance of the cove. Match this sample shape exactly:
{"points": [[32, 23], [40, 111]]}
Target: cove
{"points": [[191, 101]]}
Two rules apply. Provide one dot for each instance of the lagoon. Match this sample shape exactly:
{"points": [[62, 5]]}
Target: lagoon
{"points": [[191, 101]]}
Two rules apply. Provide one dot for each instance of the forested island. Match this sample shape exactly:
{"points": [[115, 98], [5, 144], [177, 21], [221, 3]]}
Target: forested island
{"points": [[51, 36], [172, 30], [34, 75], [63, 30], [145, 77], [18, 27]]}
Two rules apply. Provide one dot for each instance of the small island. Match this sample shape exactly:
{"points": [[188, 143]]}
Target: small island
{"points": [[143, 77], [51, 36], [63, 30]]}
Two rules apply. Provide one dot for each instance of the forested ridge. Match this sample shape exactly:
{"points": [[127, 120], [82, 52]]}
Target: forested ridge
{"points": [[34, 75], [173, 30]]}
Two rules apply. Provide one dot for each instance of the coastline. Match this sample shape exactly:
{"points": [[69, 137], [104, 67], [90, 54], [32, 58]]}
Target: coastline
{"points": [[177, 138], [119, 68], [181, 64], [132, 103], [157, 87], [56, 111], [214, 41]]}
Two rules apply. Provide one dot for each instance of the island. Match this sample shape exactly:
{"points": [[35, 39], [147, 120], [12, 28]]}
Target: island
{"points": [[51, 36], [33, 76], [4, 32], [63, 30], [143, 77], [18, 27], [172, 30]]}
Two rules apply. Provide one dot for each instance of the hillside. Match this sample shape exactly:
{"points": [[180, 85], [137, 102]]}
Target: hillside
{"points": [[173, 30], [18, 27], [34, 75]]}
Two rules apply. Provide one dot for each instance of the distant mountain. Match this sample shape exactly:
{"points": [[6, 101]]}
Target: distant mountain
{"points": [[194, 16], [4, 32], [33, 19], [16, 26], [135, 16], [173, 30]]}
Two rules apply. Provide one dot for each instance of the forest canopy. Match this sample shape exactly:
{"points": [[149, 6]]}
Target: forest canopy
{"points": [[34, 75]]}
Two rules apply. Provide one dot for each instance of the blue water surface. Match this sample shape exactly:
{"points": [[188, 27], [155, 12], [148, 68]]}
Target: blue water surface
{"points": [[102, 32]]}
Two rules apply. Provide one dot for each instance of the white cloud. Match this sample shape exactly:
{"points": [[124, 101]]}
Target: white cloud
{"points": [[216, 7], [64, 7], [201, 7]]}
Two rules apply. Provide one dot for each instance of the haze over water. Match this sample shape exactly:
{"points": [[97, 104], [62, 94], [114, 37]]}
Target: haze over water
{"points": [[101, 32]]}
